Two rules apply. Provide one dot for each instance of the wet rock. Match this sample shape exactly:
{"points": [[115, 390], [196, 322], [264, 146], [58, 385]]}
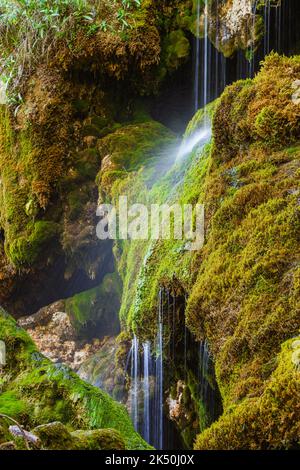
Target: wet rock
{"points": [[56, 337], [104, 439]]}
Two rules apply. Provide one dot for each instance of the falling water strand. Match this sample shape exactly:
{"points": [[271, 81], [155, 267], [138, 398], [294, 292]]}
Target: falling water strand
{"points": [[216, 90], [135, 382], [173, 327], [204, 370], [197, 58], [158, 437], [278, 26], [185, 352], [252, 58], [206, 61], [267, 14], [146, 389]]}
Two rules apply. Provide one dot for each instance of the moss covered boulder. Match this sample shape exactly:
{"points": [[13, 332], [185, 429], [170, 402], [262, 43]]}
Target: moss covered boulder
{"points": [[55, 436], [269, 421], [37, 392]]}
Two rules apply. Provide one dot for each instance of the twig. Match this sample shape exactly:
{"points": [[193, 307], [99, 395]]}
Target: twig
{"points": [[19, 426]]}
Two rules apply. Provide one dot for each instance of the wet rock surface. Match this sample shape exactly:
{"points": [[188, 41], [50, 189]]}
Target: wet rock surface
{"points": [[53, 333]]}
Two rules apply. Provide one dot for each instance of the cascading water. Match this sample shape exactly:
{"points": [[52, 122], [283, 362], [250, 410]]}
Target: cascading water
{"points": [[203, 370], [206, 58], [208, 391], [158, 397], [197, 59], [149, 380], [134, 382], [154, 368], [278, 21], [147, 407], [146, 389], [212, 71], [267, 17]]}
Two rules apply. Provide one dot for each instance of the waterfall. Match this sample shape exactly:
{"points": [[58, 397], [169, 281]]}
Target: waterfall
{"points": [[267, 13], [158, 397], [146, 389], [213, 71], [206, 58], [145, 367], [278, 26], [252, 54], [134, 392], [207, 389], [197, 58], [204, 369]]}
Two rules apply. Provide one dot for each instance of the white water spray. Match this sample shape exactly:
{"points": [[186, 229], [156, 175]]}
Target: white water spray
{"points": [[198, 138]]}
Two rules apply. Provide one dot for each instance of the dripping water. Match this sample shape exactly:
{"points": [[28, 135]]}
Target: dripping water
{"points": [[278, 16], [147, 411], [206, 56], [158, 397], [146, 388], [203, 370], [208, 390], [267, 15], [134, 381], [197, 59]]}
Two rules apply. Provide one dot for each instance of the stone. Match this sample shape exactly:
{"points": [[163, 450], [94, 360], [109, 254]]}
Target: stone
{"points": [[55, 436]]}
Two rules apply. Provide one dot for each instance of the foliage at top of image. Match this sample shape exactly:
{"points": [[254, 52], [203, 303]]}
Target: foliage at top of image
{"points": [[31, 29]]}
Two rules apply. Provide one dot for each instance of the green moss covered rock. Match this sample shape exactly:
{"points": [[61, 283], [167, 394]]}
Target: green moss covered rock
{"points": [[37, 392], [55, 436], [96, 310], [270, 421], [242, 287]]}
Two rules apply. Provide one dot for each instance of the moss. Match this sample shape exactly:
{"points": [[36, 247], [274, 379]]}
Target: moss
{"points": [[81, 106], [270, 421], [242, 287], [11, 405], [23, 194], [104, 439], [202, 115], [176, 48], [259, 111], [27, 249], [55, 436], [136, 144], [51, 392], [96, 308]]}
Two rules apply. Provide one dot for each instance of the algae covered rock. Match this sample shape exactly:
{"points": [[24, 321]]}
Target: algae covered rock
{"points": [[103, 439], [36, 392], [55, 436], [261, 111], [270, 421], [95, 312]]}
